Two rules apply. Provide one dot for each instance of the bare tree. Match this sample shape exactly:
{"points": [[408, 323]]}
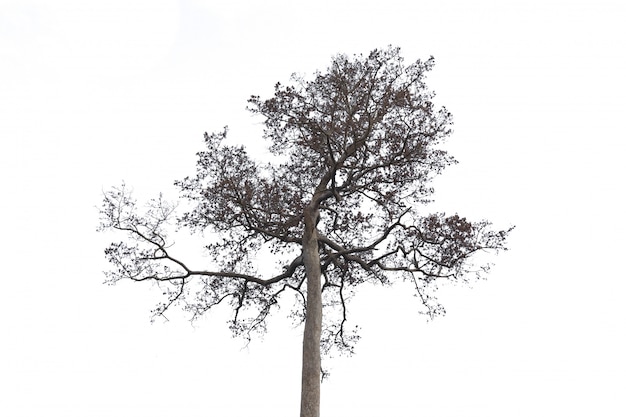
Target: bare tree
{"points": [[355, 149]]}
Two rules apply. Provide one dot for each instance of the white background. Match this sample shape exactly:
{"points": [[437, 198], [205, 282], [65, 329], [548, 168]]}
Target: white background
{"points": [[96, 92]]}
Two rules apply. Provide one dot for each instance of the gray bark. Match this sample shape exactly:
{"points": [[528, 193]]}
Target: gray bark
{"points": [[311, 360]]}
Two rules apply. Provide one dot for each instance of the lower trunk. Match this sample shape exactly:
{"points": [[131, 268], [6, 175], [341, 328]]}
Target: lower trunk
{"points": [[311, 361]]}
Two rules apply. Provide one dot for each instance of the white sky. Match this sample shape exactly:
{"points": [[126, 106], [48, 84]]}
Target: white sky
{"points": [[96, 92]]}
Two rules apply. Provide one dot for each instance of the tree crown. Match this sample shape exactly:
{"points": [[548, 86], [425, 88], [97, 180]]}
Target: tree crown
{"points": [[358, 143]]}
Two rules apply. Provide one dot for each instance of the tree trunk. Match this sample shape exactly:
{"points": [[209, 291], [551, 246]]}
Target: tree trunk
{"points": [[311, 361]]}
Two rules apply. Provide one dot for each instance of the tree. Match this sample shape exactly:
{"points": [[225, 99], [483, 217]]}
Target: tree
{"points": [[355, 149]]}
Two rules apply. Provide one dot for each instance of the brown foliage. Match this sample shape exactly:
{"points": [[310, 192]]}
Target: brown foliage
{"points": [[359, 143]]}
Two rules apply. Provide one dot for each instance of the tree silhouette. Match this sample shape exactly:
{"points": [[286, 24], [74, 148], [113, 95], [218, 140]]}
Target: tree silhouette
{"points": [[354, 150]]}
